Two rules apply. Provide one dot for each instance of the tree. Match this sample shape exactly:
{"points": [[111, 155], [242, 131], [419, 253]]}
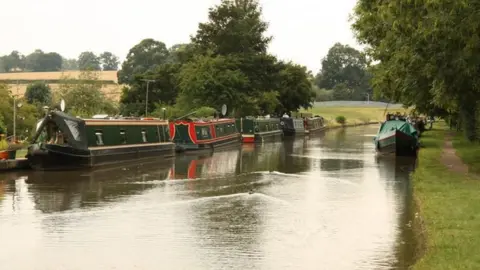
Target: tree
{"points": [[88, 61], [180, 53], [164, 89], [295, 88], [233, 27], [109, 61], [12, 62], [39, 93], [69, 64], [345, 65], [83, 95], [40, 61], [426, 52], [26, 115], [146, 55]]}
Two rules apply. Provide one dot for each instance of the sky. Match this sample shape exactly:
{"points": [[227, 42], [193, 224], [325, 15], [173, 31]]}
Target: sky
{"points": [[302, 30]]}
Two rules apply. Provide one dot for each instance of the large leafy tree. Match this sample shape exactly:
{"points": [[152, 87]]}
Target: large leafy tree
{"points": [[88, 61], [346, 66], [163, 89], [83, 95], [38, 93], [146, 55], [109, 61], [427, 52], [234, 26]]}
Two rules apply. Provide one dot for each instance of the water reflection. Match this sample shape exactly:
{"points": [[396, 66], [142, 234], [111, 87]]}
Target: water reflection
{"points": [[268, 206]]}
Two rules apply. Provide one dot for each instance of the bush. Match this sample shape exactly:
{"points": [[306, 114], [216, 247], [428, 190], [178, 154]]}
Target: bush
{"points": [[341, 119]]}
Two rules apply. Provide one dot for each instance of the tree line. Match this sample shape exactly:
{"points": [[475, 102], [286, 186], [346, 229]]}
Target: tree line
{"points": [[40, 61], [426, 55], [226, 62]]}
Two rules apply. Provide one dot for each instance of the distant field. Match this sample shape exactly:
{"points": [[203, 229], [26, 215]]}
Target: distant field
{"points": [[112, 91], [104, 75], [354, 115]]}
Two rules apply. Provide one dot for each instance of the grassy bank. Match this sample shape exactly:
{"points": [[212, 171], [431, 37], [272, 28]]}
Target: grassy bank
{"points": [[354, 115], [450, 207]]}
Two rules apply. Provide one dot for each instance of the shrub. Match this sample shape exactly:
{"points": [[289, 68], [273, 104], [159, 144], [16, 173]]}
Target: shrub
{"points": [[341, 119]]}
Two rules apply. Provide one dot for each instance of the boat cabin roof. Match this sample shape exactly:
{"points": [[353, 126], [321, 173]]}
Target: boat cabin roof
{"points": [[207, 121]]}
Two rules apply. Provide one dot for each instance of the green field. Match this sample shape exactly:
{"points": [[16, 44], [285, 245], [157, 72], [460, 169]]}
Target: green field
{"points": [[449, 205], [354, 115]]}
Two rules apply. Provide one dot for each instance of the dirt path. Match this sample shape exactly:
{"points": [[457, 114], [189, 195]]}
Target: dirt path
{"points": [[450, 159]]}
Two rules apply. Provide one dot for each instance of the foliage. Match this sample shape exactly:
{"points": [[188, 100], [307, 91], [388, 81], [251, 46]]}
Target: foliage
{"points": [[426, 52], [234, 27], [295, 89], [163, 89], [225, 63], [341, 119], [40, 61], [38, 92], [88, 61], [146, 55], [109, 61], [84, 98], [322, 94], [70, 64], [12, 62], [347, 67], [26, 115]]}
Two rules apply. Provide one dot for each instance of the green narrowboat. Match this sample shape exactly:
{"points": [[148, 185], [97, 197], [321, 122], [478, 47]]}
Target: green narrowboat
{"points": [[292, 126], [64, 142], [397, 137], [199, 134], [259, 129]]}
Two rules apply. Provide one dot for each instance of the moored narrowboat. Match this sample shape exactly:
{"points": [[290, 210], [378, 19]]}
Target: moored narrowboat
{"points": [[313, 123], [397, 137], [64, 142], [259, 129], [292, 126], [203, 134]]}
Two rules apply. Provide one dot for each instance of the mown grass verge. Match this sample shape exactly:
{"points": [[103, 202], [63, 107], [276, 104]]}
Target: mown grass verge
{"points": [[449, 204], [353, 115]]}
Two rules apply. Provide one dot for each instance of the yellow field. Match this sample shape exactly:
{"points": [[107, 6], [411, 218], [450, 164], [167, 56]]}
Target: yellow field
{"points": [[112, 91], [104, 75], [354, 115]]}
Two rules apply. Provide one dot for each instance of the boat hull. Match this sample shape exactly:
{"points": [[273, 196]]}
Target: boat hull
{"points": [[211, 145], [56, 157], [396, 142], [262, 136]]}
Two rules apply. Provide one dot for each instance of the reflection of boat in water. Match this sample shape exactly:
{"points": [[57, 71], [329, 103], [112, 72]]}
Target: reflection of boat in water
{"points": [[218, 163], [395, 168], [59, 191], [261, 157]]}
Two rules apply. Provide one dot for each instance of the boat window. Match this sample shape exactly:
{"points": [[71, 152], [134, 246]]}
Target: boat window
{"points": [[144, 135], [99, 135], [205, 132], [123, 136]]}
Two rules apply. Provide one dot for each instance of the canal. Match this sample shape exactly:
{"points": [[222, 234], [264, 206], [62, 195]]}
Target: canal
{"points": [[324, 202]]}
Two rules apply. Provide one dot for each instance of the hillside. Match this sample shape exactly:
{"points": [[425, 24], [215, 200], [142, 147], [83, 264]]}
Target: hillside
{"points": [[111, 89]]}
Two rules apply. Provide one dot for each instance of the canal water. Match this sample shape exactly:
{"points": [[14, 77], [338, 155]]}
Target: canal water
{"points": [[320, 202]]}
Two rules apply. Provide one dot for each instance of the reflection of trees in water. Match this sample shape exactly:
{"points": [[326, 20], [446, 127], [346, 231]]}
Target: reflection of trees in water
{"points": [[396, 171], [346, 138], [331, 164], [260, 157], [292, 164], [61, 191], [228, 231]]}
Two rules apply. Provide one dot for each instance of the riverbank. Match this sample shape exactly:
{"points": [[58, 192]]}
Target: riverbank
{"points": [[448, 204]]}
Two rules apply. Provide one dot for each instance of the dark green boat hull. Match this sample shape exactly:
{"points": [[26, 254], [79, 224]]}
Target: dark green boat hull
{"points": [[396, 142]]}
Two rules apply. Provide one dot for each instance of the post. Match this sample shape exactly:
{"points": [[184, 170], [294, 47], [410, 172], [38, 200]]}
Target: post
{"points": [[146, 100], [146, 95], [15, 116]]}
